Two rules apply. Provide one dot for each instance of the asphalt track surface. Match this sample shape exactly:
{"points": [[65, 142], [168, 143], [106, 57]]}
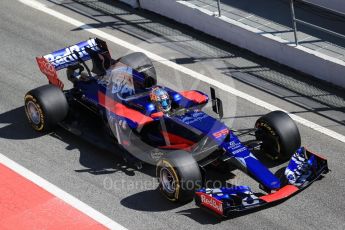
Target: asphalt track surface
{"points": [[130, 197]]}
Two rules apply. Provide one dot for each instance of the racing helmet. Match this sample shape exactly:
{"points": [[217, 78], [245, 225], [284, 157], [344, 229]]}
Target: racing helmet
{"points": [[160, 99]]}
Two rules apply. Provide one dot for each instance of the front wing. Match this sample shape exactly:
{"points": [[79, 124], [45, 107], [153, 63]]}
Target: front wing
{"points": [[303, 169]]}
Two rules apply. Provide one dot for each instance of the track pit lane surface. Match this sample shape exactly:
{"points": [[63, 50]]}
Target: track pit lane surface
{"points": [[95, 176]]}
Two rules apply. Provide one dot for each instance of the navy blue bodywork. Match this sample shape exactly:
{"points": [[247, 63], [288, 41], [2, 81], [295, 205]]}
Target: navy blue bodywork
{"points": [[134, 121]]}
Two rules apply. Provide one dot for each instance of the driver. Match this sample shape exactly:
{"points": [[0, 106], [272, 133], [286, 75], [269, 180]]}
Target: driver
{"points": [[160, 99]]}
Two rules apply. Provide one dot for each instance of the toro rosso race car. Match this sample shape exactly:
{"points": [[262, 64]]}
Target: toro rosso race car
{"points": [[117, 103]]}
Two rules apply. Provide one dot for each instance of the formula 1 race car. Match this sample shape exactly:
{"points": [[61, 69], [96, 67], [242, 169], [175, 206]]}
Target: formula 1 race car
{"points": [[117, 103]]}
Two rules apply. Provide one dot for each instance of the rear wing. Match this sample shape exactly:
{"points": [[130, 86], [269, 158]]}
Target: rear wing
{"points": [[69, 56]]}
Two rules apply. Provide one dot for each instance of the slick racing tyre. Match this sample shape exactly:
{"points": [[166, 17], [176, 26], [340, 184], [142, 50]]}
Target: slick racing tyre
{"points": [[279, 135], [179, 175], [45, 106], [141, 63]]}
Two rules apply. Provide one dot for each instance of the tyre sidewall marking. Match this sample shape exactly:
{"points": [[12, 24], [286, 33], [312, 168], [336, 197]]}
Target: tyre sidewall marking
{"points": [[40, 126], [166, 164], [264, 125]]}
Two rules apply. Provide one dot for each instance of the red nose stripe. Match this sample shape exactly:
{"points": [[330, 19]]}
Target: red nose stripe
{"points": [[24, 205]]}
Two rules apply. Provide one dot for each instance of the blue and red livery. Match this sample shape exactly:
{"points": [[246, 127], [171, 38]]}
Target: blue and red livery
{"points": [[118, 93]]}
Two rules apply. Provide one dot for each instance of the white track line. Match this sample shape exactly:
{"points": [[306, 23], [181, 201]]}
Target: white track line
{"points": [[59, 193], [36, 5]]}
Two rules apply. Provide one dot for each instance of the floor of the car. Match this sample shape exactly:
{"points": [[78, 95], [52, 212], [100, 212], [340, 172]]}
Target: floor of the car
{"points": [[89, 127]]}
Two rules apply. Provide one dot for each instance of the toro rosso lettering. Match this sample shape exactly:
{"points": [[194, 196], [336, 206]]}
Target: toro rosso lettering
{"points": [[197, 116], [65, 57]]}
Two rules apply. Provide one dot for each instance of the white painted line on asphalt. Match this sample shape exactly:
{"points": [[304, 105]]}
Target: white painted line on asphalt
{"points": [[210, 81], [59, 193]]}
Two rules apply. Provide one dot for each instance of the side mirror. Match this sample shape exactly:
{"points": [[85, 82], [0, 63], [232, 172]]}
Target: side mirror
{"points": [[217, 104]]}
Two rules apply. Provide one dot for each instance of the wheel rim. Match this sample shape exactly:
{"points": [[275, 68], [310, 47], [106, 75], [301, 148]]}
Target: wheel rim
{"points": [[33, 112], [167, 180]]}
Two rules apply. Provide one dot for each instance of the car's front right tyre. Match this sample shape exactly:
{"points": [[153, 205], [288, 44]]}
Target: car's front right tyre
{"points": [[179, 176]]}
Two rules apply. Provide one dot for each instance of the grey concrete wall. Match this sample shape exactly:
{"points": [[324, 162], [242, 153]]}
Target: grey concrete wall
{"points": [[337, 5], [299, 58], [133, 3]]}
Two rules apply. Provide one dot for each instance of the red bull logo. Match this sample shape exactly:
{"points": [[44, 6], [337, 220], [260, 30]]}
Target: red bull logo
{"points": [[211, 203]]}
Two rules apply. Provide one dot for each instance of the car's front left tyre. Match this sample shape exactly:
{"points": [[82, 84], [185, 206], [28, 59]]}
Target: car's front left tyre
{"points": [[279, 135]]}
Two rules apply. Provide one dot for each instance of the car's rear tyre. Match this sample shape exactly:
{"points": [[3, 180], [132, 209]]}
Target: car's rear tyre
{"points": [[279, 135], [179, 176], [140, 62], [45, 106]]}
